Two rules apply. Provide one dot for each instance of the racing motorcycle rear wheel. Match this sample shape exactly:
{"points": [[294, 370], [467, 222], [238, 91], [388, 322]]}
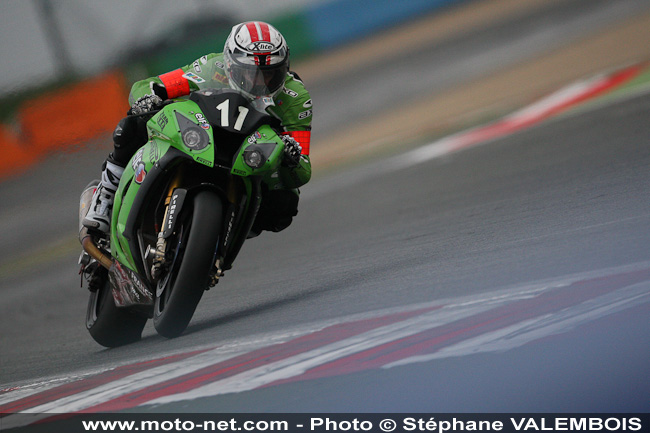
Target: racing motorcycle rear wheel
{"points": [[109, 325]]}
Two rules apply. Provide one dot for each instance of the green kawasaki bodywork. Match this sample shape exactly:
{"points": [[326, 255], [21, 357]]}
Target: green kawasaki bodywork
{"points": [[164, 134]]}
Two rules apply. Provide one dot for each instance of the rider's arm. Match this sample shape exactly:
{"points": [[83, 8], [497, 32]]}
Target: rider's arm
{"points": [[294, 108], [174, 84], [295, 177]]}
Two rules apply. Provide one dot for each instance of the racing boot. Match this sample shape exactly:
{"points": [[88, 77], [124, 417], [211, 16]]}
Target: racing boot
{"points": [[101, 205]]}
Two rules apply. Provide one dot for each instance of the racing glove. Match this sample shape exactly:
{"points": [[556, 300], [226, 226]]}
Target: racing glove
{"points": [[146, 103], [292, 151]]}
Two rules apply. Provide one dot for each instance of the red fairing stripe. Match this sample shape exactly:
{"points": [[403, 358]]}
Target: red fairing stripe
{"points": [[175, 84], [302, 137]]}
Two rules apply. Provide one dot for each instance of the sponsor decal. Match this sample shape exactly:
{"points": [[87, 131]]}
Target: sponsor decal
{"points": [[138, 166], [140, 173], [290, 92], [154, 152], [191, 76], [219, 65], [137, 158], [307, 104], [128, 289], [202, 121], [220, 78], [172, 211], [254, 137], [162, 120], [231, 219], [204, 60], [197, 67], [204, 161], [304, 114], [261, 46], [175, 205]]}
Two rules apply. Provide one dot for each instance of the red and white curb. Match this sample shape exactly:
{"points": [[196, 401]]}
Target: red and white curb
{"points": [[556, 103], [496, 321]]}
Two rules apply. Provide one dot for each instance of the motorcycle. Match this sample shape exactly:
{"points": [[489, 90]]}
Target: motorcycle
{"points": [[183, 209]]}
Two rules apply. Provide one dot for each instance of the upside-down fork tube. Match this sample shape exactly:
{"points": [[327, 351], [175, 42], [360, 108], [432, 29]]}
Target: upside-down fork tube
{"points": [[161, 242], [88, 244], [175, 183]]}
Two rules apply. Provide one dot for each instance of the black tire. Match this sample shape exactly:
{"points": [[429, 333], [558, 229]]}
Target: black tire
{"points": [[198, 233], [109, 325]]}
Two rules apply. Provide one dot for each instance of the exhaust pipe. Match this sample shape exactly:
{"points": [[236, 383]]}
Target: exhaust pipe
{"points": [[88, 244], [86, 239]]}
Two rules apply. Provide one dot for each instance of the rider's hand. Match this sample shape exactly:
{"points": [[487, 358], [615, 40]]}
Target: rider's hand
{"points": [[292, 151], [146, 103]]}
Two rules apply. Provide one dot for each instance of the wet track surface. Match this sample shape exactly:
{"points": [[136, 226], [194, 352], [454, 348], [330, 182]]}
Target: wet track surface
{"points": [[554, 219], [561, 207]]}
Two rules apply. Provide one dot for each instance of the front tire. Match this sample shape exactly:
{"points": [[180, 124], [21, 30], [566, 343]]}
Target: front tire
{"points": [[196, 242]]}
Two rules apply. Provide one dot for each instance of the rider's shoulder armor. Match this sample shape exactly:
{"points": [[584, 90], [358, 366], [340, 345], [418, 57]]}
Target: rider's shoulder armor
{"points": [[293, 104]]}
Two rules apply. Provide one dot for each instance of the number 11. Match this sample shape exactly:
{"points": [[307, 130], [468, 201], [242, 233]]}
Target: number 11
{"points": [[224, 108]]}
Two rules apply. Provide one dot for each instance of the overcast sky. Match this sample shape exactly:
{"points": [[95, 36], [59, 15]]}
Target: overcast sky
{"points": [[96, 31]]}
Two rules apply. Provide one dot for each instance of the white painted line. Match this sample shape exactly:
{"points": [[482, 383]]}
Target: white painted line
{"points": [[295, 365], [300, 363], [540, 327]]}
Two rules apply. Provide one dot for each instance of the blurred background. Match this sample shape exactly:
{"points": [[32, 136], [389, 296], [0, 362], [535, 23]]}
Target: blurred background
{"points": [[62, 56], [68, 64]]}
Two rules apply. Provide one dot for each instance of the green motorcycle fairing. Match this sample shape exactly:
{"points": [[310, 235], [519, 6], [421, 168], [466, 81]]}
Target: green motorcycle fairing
{"points": [[182, 133]]}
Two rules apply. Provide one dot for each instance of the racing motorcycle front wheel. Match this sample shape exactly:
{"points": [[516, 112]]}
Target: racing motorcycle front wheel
{"points": [[192, 257]]}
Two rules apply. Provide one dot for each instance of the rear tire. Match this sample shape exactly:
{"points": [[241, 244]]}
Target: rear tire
{"points": [[198, 234], [109, 325]]}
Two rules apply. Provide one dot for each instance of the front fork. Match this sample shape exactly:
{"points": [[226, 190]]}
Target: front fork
{"points": [[158, 254], [231, 195]]}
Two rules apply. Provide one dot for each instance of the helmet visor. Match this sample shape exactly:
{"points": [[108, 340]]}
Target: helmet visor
{"points": [[259, 81]]}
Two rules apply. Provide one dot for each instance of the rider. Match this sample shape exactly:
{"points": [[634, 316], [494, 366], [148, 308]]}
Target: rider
{"points": [[255, 61]]}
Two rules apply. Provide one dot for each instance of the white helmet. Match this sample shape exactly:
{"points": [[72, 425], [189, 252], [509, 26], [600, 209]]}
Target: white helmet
{"points": [[256, 57]]}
